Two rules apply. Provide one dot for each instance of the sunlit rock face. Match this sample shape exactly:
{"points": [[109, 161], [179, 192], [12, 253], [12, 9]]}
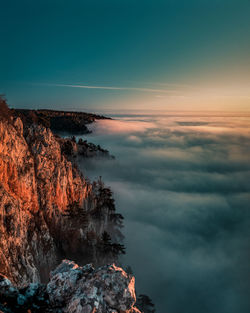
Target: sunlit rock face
{"points": [[38, 187], [74, 289], [19, 202]]}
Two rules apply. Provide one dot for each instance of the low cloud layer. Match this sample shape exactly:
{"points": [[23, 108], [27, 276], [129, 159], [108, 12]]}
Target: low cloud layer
{"points": [[182, 183]]}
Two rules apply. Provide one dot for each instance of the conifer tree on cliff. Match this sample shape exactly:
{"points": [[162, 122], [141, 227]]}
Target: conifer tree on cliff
{"points": [[5, 112]]}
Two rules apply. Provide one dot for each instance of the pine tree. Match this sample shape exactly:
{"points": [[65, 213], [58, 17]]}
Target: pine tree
{"points": [[145, 304]]}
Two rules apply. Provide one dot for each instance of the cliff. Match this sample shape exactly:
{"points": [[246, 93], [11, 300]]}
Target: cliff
{"points": [[48, 210], [73, 289]]}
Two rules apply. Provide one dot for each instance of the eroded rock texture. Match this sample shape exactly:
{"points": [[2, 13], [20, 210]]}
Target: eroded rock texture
{"points": [[74, 289], [48, 210]]}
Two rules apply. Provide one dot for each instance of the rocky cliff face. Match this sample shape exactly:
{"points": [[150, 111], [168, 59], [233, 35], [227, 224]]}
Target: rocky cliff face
{"points": [[48, 210], [73, 289]]}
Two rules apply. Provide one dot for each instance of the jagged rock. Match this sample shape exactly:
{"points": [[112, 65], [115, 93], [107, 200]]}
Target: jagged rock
{"points": [[49, 211], [74, 289], [18, 125], [83, 287], [82, 148], [47, 206]]}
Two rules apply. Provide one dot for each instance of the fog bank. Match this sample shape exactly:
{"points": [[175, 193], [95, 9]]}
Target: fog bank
{"points": [[182, 183]]}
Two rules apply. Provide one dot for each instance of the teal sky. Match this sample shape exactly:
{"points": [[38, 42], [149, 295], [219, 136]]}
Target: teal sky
{"points": [[145, 55]]}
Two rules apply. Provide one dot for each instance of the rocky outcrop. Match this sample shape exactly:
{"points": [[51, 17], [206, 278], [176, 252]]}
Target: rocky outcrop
{"points": [[48, 210], [73, 289], [82, 148]]}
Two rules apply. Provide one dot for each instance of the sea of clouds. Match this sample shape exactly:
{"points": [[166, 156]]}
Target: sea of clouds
{"points": [[182, 183]]}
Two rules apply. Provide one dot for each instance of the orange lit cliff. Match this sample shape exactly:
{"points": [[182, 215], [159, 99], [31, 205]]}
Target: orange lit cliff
{"points": [[48, 211]]}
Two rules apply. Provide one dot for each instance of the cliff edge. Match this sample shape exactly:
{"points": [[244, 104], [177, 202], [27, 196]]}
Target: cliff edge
{"points": [[48, 210]]}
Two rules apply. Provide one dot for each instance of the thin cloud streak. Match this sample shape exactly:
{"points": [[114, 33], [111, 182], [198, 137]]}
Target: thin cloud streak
{"points": [[110, 88], [239, 92], [184, 86]]}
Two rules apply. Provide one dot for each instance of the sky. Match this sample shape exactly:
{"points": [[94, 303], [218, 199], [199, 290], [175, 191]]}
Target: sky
{"points": [[126, 55]]}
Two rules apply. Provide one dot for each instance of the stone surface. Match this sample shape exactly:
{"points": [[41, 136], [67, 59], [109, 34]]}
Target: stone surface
{"points": [[48, 210], [74, 289]]}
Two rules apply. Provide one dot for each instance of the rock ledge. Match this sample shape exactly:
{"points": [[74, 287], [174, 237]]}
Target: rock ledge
{"points": [[73, 289]]}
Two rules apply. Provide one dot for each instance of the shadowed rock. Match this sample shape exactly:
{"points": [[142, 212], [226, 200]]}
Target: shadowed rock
{"points": [[74, 289]]}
